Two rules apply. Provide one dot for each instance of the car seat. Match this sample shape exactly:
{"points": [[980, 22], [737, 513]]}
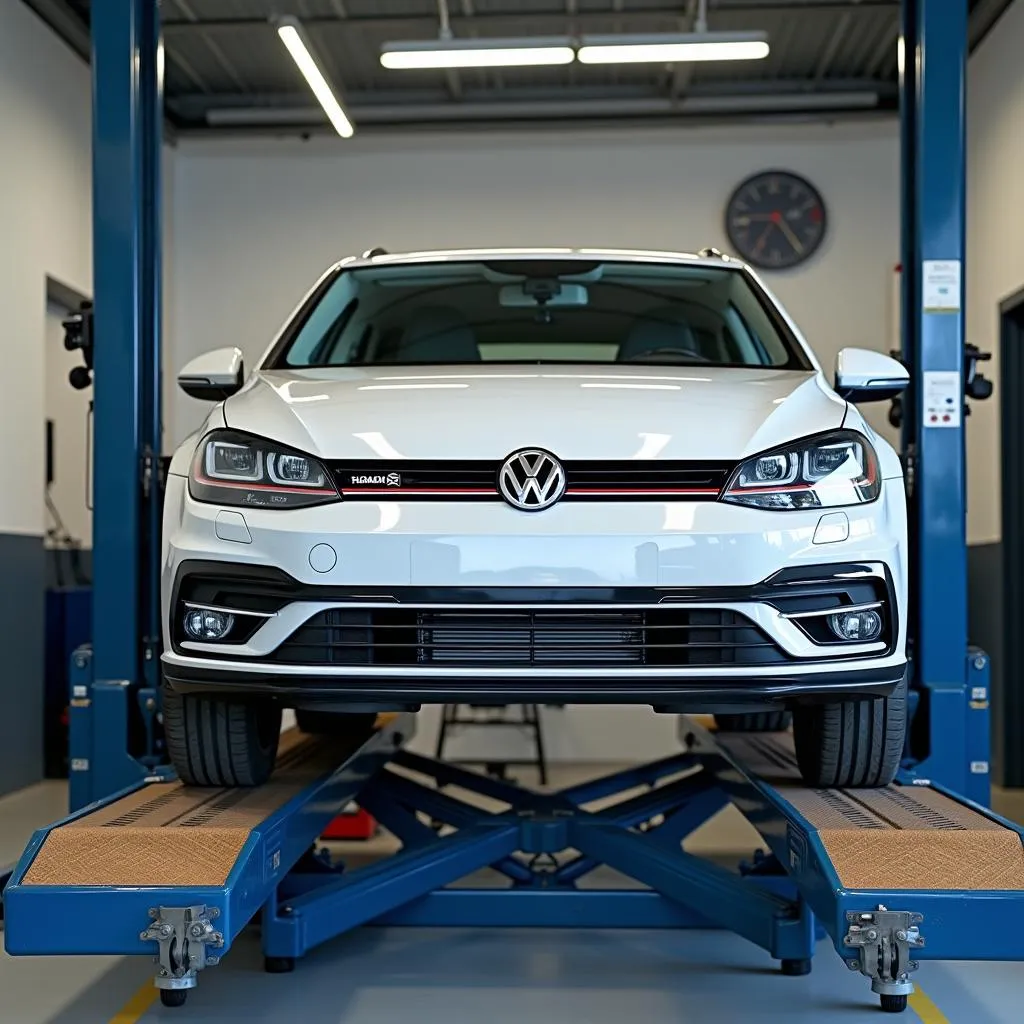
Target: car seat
{"points": [[437, 333], [664, 327]]}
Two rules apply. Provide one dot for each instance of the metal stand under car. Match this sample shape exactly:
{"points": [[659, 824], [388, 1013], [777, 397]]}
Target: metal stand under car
{"points": [[504, 717], [893, 877]]}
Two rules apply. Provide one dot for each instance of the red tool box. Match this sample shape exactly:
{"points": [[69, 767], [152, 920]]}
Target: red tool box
{"points": [[352, 823]]}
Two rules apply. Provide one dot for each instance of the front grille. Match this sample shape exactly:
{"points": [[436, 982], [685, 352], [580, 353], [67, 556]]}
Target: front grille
{"points": [[529, 638], [636, 480]]}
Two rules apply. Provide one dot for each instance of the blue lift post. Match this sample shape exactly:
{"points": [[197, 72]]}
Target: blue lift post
{"points": [[951, 737], [543, 844], [115, 682]]}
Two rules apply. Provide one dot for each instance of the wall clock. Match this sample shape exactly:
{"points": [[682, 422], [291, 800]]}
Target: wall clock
{"points": [[776, 220]]}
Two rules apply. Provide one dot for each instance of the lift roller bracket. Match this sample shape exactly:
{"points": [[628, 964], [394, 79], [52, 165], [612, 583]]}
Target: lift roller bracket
{"points": [[883, 940]]}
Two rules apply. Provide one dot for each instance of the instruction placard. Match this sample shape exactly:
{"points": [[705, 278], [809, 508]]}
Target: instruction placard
{"points": [[941, 283], [943, 398]]}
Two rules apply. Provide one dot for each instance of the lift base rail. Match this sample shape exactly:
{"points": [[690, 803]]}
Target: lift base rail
{"points": [[892, 877]]}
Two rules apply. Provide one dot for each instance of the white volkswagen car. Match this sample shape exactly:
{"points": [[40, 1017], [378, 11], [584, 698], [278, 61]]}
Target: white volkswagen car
{"points": [[559, 476]]}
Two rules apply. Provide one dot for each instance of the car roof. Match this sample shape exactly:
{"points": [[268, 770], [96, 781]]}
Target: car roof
{"points": [[379, 257]]}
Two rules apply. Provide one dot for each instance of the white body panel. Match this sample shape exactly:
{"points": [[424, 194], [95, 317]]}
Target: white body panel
{"points": [[486, 412]]}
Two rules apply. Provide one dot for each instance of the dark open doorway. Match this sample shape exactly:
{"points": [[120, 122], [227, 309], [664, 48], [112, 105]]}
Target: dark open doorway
{"points": [[1008, 680]]}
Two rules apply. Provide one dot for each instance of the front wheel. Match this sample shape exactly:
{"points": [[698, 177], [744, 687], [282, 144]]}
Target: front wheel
{"points": [[856, 744], [219, 741]]}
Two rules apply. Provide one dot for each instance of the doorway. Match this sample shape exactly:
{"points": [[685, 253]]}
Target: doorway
{"points": [[67, 522], [1008, 680], [68, 458]]}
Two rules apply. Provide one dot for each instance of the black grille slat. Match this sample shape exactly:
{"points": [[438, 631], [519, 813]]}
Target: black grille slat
{"points": [[528, 637], [581, 645], [388, 625], [456, 480]]}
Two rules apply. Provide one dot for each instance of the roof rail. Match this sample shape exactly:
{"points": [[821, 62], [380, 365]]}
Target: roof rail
{"points": [[709, 252], [377, 250]]}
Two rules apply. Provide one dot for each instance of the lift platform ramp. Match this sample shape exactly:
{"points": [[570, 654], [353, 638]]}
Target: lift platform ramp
{"points": [[892, 877]]}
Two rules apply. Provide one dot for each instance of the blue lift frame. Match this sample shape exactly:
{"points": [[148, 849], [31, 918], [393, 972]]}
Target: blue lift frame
{"points": [[781, 902], [114, 739], [951, 683], [543, 845]]}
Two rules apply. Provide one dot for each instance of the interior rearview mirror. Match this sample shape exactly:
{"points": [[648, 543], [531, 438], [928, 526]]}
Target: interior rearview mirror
{"points": [[213, 376], [863, 375]]}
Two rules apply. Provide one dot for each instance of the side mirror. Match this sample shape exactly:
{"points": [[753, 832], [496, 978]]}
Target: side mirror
{"points": [[863, 375], [213, 376]]}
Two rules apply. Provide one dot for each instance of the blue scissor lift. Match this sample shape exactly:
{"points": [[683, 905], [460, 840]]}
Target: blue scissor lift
{"points": [[144, 865]]}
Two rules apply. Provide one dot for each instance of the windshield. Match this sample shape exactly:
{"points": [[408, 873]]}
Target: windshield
{"points": [[539, 311]]}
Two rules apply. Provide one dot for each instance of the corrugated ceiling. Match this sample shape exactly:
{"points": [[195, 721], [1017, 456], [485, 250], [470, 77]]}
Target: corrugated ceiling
{"points": [[227, 70]]}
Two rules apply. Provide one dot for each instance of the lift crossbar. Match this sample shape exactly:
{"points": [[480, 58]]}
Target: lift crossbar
{"points": [[892, 876]]}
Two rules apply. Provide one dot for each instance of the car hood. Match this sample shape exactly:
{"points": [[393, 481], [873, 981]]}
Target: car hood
{"points": [[576, 412]]}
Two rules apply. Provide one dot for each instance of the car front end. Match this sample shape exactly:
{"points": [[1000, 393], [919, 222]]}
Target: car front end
{"points": [[577, 480], [650, 580]]}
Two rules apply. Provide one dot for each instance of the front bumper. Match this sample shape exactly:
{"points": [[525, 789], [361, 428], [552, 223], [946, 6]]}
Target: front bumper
{"points": [[709, 556], [384, 690]]}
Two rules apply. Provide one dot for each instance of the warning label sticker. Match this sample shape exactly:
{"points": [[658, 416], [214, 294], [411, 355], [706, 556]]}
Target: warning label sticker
{"points": [[943, 398]]}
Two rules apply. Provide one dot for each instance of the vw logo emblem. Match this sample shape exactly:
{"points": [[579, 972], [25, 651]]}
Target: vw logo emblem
{"points": [[531, 479]]}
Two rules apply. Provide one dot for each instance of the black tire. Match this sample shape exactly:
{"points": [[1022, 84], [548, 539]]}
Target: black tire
{"points": [[333, 723], [173, 997], [755, 721], [216, 741], [893, 1004], [855, 744]]}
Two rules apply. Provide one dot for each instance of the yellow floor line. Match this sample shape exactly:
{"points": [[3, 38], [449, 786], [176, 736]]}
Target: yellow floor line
{"points": [[136, 1007], [926, 1009]]}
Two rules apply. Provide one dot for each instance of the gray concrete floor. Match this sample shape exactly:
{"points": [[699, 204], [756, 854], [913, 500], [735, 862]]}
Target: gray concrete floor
{"points": [[384, 975]]}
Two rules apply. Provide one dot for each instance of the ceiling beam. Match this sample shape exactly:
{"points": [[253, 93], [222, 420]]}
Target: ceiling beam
{"points": [[983, 19], [309, 121], [681, 74], [427, 24], [218, 54], [66, 23], [291, 111], [828, 54]]}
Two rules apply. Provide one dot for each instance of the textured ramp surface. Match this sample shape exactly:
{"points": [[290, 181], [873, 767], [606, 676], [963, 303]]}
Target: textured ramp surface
{"points": [[900, 837], [167, 834]]}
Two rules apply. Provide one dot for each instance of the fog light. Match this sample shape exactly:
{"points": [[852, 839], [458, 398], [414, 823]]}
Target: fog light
{"points": [[206, 624], [858, 627]]}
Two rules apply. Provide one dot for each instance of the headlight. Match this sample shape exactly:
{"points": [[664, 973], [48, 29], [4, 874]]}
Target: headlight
{"points": [[822, 472], [234, 469]]}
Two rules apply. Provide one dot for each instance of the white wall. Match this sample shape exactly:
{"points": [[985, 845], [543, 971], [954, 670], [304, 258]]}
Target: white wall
{"points": [[45, 225], [995, 241], [256, 223]]}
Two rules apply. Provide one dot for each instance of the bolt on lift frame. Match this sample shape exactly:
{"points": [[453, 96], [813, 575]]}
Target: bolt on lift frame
{"points": [[775, 902]]}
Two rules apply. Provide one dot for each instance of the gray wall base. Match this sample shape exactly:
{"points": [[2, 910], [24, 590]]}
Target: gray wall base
{"points": [[22, 603]]}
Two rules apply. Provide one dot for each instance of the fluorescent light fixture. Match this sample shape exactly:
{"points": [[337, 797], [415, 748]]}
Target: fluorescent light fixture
{"points": [[477, 53], [671, 49], [289, 29]]}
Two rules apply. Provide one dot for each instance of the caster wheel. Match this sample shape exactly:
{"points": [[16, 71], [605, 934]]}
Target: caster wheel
{"points": [[893, 1004], [796, 968], [279, 964], [173, 996]]}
